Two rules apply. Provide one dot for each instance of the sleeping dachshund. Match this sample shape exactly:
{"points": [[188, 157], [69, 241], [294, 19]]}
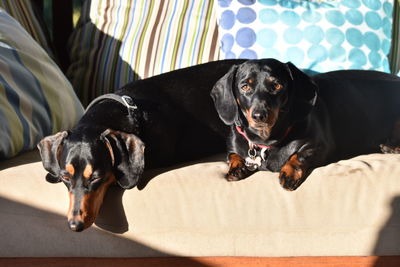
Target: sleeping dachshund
{"points": [[171, 114], [285, 121]]}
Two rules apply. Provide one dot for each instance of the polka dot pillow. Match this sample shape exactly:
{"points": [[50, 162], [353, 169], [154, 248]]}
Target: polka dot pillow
{"points": [[320, 35]]}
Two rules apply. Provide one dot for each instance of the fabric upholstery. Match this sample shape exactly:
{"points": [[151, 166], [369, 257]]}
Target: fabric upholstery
{"points": [[315, 35], [119, 41], [24, 11], [36, 99], [346, 208]]}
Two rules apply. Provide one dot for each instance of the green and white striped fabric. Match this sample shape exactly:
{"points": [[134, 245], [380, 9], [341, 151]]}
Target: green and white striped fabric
{"points": [[24, 12], [36, 99], [118, 41]]}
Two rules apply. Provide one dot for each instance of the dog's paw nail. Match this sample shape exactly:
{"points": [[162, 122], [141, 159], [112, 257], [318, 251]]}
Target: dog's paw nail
{"points": [[231, 178], [289, 183], [236, 174]]}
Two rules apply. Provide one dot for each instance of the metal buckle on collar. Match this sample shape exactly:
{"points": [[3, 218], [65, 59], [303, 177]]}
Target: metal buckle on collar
{"points": [[128, 102]]}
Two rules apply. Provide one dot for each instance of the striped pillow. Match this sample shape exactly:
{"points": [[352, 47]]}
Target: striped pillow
{"points": [[35, 97], [116, 42], [24, 12]]}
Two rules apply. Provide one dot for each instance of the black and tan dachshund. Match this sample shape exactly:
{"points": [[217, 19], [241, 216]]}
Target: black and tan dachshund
{"points": [[171, 114], [285, 121]]}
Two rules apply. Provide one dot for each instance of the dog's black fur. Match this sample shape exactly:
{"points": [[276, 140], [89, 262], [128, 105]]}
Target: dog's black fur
{"points": [[175, 120], [306, 122]]}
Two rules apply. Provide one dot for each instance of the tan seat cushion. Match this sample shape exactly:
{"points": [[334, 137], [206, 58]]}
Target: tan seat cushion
{"points": [[345, 208]]}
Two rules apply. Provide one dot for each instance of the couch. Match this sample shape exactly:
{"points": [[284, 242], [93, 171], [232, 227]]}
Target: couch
{"points": [[346, 213]]}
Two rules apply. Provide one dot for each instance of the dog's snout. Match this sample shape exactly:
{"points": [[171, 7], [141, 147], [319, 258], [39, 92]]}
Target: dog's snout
{"points": [[76, 226], [259, 115]]}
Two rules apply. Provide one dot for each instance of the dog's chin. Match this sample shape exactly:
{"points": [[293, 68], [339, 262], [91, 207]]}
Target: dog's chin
{"points": [[263, 130]]}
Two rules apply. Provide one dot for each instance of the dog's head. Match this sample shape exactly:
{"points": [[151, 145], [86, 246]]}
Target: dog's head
{"points": [[262, 94], [88, 163]]}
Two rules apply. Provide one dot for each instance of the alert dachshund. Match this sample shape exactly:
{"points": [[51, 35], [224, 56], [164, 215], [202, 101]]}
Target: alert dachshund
{"points": [[285, 121], [171, 114]]}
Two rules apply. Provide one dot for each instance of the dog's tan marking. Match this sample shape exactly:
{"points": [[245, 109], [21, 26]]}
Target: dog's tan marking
{"points": [[70, 214], [109, 147], [70, 169], [87, 172], [235, 161], [293, 168], [92, 201]]}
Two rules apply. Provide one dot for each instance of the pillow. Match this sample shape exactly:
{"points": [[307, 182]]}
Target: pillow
{"points": [[317, 35], [118, 41], [36, 99], [25, 13]]}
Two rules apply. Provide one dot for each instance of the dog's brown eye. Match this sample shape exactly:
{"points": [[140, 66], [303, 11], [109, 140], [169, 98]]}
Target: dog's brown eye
{"points": [[277, 86], [246, 87]]}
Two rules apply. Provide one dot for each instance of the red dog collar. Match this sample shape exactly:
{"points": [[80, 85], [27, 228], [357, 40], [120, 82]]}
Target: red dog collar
{"points": [[252, 145]]}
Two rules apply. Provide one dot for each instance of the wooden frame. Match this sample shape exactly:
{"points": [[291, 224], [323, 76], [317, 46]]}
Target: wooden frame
{"points": [[370, 261]]}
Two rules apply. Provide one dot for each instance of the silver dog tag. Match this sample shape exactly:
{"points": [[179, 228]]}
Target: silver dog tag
{"points": [[253, 163]]}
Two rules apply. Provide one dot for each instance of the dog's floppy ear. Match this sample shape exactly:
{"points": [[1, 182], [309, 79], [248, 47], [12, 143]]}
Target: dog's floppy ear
{"points": [[224, 101], [50, 149], [127, 155], [305, 92]]}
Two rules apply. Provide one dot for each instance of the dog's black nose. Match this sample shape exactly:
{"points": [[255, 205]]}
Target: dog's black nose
{"points": [[259, 116], [76, 226]]}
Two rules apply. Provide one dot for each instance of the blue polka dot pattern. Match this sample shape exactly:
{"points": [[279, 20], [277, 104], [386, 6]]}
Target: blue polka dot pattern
{"points": [[227, 20], [290, 18], [268, 16], [247, 2], [372, 4], [247, 53], [268, 2], [371, 40], [224, 3], [267, 38], [354, 37], [335, 17], [351, 3], [293, 35], [354, 17], [246, 15], [227, 42], [375, 58], [311, 17], [315, 35], [357, 57], [335, 36], [245, 37], [317, 53], [337, 54], [373, 20], [294, 55]]}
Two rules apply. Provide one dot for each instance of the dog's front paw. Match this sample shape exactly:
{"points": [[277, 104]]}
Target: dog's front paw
{"points": [[289, 182], [292, 174], [237, 169], [236, 174]]}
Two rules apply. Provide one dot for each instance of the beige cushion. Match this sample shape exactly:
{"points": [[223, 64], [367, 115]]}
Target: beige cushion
{"points": [[345, 208]]}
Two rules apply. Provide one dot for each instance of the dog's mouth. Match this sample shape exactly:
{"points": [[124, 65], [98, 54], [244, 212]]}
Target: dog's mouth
{"points": [[262, 128]]}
